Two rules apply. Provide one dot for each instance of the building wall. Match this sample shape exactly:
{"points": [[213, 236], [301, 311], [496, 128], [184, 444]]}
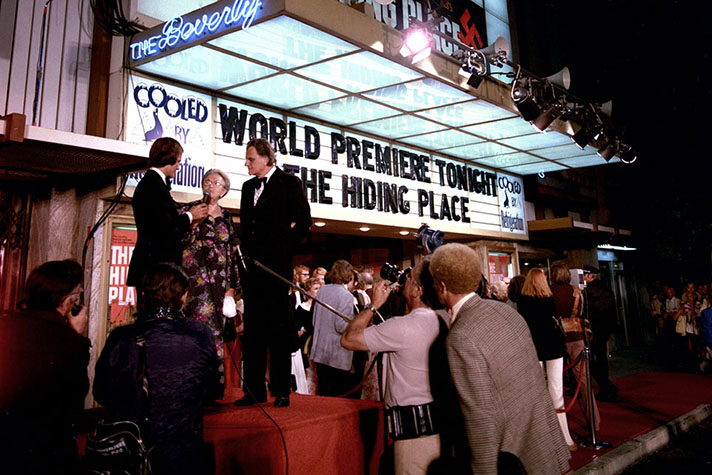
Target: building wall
{"points": [[64, 91]]}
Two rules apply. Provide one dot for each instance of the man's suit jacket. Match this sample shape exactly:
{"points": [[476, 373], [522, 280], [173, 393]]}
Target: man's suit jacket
{"points": [[328, 327], [271, 229], [160, 227], [503, 395]]}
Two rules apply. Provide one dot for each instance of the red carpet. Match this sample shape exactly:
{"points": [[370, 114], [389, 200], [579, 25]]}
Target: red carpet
{"points": [[323, 435], [645, 401]]}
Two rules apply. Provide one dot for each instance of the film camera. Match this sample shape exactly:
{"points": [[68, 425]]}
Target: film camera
{"points": [[393, 273], [429, 239]]}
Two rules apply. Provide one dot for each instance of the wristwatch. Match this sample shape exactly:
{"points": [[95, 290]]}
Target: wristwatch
{"points": [[370, 307]]}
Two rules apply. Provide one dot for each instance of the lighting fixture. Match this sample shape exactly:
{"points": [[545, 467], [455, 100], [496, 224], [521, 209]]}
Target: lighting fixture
{"points": [[584, 136], [545, 119], [474, 62], [319, 224], [609, 149], [403, 233], [474, 68], [523, 99], [365, 229], [617, 248], [627, 154], [418, 43]]}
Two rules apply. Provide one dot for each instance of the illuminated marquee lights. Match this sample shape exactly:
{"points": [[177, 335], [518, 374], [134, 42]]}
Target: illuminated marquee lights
{"points": [[177, 30]]}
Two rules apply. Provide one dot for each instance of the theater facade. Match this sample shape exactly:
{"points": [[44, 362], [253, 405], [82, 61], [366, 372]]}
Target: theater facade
{"points": [[382, 145]]}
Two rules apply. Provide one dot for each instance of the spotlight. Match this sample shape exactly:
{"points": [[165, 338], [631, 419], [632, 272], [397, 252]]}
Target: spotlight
{"points": [[418, 43], [545, 119], [585, 135], [523, 99], [474, 68], [609, 149], [364, 229], [628, 155]]}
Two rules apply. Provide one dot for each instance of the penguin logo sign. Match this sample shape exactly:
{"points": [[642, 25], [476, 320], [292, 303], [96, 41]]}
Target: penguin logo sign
{"points": [[504, 183]]}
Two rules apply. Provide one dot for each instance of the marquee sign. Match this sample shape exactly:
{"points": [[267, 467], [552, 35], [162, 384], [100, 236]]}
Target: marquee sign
{"points": [[346, 176], [374, 181]]}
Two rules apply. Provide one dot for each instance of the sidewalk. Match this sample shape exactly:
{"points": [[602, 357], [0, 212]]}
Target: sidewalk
{"points": [[652, 407]]}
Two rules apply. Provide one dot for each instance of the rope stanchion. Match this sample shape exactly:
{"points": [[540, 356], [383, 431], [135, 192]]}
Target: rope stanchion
{"points": [[578, 386], [365, 376]]}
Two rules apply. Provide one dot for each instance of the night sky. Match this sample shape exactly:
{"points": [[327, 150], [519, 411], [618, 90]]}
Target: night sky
{"points": [[654, 59]]}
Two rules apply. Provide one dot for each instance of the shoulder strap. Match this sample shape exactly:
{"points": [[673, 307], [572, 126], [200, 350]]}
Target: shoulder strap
{"points": [[576, 310]]}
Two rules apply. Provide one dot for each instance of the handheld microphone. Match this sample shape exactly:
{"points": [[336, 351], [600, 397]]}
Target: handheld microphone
{"points": [[206, 197]]}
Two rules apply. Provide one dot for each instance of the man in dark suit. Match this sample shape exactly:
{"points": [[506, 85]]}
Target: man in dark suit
{"points": [[509, 418], [274, 219], [160, 227]]}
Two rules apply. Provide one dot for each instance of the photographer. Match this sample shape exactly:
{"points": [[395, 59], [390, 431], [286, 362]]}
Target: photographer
{"points": [[43, 372], [406, 341]]}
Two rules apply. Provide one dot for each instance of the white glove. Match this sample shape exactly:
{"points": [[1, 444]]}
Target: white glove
{"points": [[229, 308]]}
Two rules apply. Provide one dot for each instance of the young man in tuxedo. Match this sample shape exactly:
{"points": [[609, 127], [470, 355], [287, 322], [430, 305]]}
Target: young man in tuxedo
{"points": [[160, 227], [274, 219]]}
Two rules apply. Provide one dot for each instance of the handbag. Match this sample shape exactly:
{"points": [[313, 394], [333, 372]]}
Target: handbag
{"points": [[119, 447], [572, 323]]}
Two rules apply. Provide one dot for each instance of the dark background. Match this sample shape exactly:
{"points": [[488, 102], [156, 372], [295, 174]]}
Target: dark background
{"points": [[654, 60]]}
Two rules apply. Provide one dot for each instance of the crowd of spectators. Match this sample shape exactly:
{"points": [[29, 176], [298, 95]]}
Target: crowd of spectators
{"points": [[683, 325]]}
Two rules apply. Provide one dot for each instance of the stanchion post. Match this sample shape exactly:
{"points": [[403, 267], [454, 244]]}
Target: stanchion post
{"points": [[595, 443]]}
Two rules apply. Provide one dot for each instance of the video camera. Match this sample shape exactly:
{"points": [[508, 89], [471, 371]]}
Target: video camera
{"points": [[393, 273], [429, 239]]}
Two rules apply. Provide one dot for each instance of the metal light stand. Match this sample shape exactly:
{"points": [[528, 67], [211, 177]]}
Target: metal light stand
{"points": [[595, 443]]}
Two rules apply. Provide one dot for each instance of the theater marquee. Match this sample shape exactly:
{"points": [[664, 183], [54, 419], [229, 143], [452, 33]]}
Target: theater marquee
{"points": [[347, 176]]}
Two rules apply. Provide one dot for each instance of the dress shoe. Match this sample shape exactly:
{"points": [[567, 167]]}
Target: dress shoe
{"points": [[246, 400], [281, 401]]}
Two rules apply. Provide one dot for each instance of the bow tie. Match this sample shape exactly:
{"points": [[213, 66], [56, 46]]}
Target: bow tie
{"points": [[262, 181], [168, 183]]}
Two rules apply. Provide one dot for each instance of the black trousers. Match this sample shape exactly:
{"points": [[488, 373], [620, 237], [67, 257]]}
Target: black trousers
{"points": [[268, 328]]}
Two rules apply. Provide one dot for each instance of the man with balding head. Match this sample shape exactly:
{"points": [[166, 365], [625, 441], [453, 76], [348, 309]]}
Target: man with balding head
{"points": [[510, 421]]}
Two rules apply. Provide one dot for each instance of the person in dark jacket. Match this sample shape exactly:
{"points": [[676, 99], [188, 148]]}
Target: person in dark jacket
{"points": [[601, 311], [43, 373], [159, 226], [537, 307], [181, 367]]}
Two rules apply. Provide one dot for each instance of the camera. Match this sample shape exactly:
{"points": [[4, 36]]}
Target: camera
{"points": [[429, 239], [393, 273]]}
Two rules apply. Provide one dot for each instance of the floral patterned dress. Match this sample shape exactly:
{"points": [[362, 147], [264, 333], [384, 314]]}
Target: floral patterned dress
{"points": [[209, 260]]}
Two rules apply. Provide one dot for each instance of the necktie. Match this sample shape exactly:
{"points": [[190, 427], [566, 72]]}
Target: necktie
{"points": [[168, 183]]}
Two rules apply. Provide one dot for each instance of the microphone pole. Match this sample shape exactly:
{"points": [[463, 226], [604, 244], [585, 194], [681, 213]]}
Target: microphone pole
{"points": [[258, 264]]}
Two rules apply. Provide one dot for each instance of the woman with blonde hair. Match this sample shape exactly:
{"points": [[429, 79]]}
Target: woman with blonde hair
{"points": [[537, 307]]}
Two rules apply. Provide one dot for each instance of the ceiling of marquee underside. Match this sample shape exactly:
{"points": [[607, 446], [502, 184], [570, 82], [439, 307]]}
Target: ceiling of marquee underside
{"points": [[287, 64]]}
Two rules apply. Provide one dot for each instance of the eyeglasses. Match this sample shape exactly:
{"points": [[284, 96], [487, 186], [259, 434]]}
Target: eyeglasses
{"points": [[208, 184]]}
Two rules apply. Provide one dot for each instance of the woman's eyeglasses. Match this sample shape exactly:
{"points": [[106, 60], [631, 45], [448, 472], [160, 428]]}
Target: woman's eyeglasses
{"points": [[208, 184]]}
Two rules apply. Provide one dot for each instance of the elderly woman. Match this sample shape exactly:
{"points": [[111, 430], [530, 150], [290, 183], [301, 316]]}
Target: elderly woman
{"points": [[568, 302], [333, 362], [537, 307], [209, 259]]}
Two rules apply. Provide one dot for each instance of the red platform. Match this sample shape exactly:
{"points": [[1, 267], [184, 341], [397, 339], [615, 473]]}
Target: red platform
{"points": [[322, 435]]}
